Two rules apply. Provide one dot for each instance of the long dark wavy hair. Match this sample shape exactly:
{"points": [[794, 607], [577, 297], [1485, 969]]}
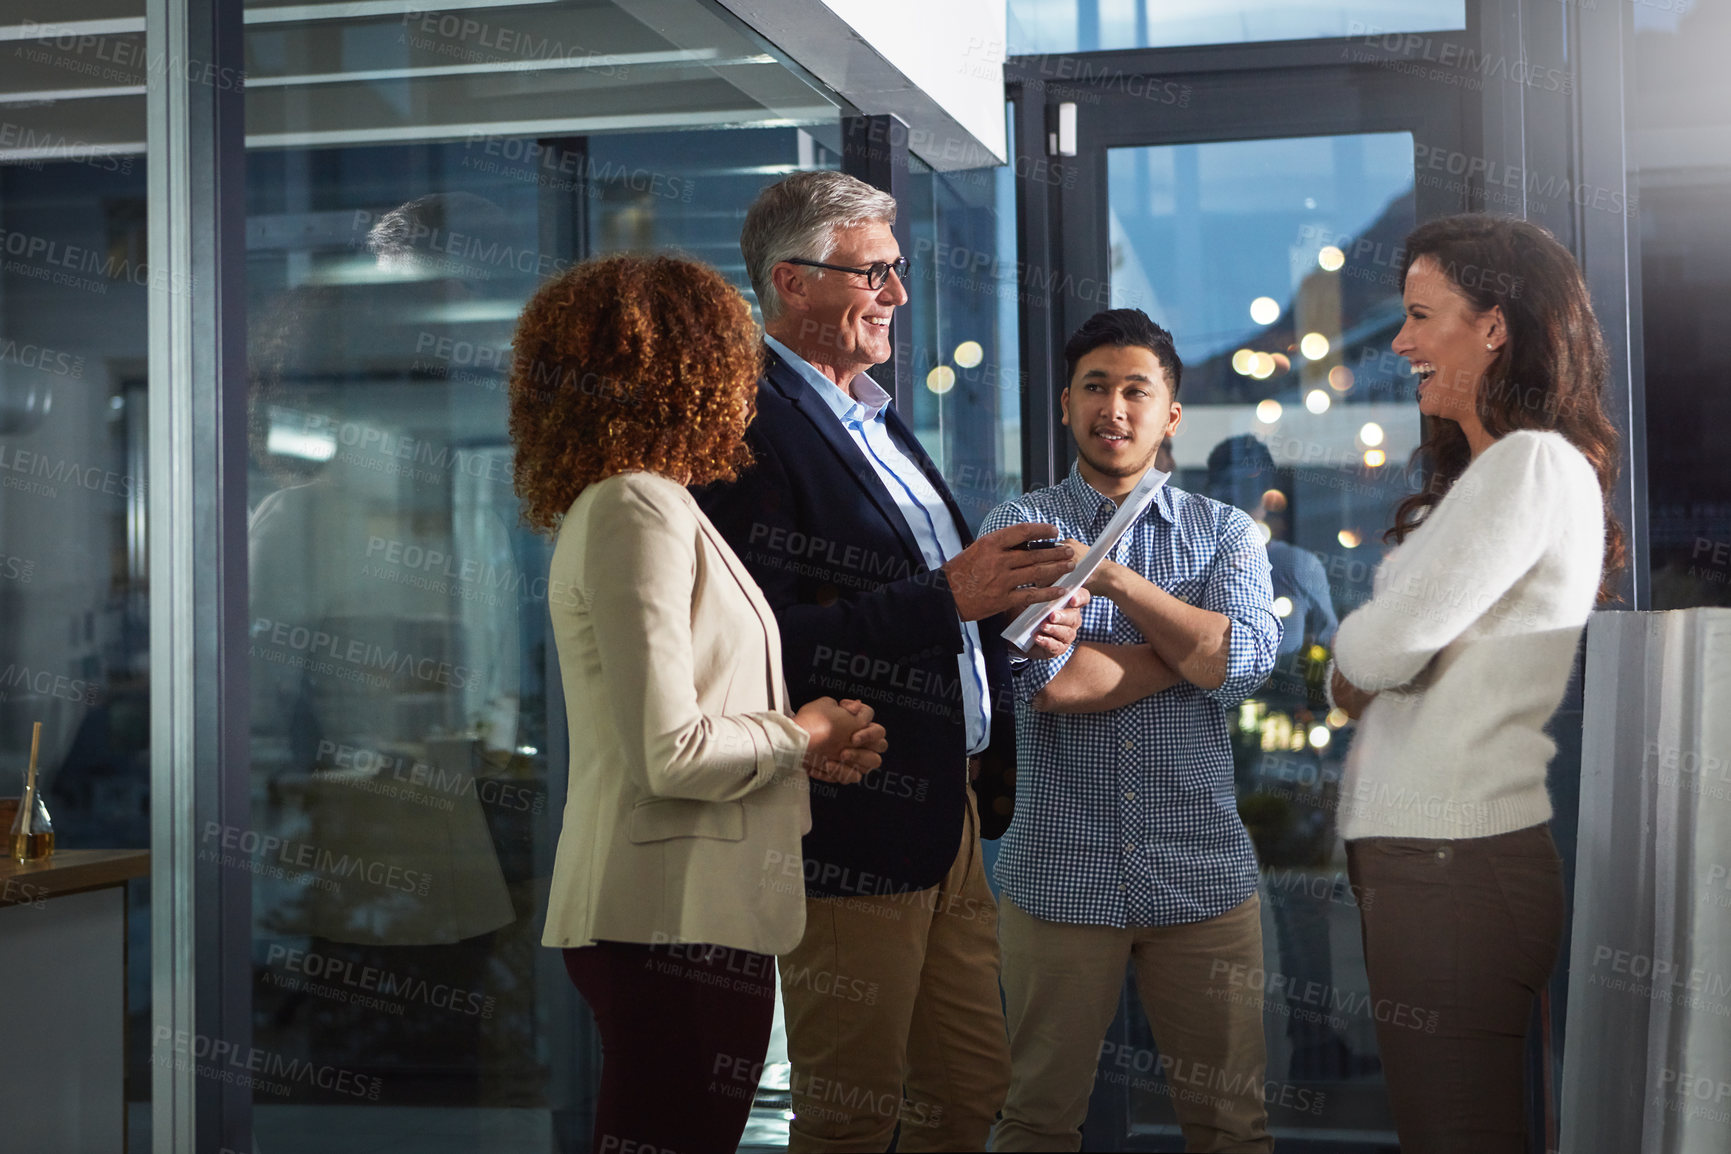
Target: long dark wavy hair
{"points": [[1549, 373]]}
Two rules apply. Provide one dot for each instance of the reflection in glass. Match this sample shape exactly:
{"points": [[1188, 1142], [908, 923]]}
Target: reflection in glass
{"points": [[386, 648], [966, 407]]}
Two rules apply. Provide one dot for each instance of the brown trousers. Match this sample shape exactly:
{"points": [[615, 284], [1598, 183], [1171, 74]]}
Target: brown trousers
{"points": [[893, 1015], [1459, 936]]}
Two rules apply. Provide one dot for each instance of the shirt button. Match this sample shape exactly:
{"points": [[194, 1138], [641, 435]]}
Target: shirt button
{"points": [[1121, 887], [1129, 846], [1129, 795], [1128, 744]]}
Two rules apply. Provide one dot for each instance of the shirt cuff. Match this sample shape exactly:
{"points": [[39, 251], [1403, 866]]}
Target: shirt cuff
{"points": [[1035, 673], [1249, 660]]}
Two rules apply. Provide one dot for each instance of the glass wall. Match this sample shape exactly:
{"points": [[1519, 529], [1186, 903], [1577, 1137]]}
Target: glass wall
{"points": [[74, 597], [397, 720], [1046, 26], [967, 381], [715, 175], [1680, 138]]}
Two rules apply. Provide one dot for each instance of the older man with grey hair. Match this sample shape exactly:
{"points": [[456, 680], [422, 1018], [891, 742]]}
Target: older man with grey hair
{"points": [[881, 593]]}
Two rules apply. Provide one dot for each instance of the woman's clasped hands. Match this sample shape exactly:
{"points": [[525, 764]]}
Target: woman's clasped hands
{"points": [[846, 744]]}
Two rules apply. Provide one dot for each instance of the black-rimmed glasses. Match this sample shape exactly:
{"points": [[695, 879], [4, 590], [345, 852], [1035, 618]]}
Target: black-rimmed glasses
{"points": [[877, 273]]}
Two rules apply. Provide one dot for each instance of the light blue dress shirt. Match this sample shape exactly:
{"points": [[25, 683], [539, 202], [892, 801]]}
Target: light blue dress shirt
{"points": [[921, 506]]}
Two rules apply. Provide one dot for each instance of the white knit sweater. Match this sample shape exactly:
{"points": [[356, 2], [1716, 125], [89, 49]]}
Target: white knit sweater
{"points": [[1468, 641]]}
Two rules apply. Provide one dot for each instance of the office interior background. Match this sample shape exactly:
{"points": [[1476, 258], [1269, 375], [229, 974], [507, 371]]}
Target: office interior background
{"points": [[263, 582]]}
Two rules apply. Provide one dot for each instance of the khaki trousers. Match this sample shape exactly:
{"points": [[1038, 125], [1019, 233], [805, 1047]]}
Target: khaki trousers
{"points": [[893, 1015], [1061, 987]]}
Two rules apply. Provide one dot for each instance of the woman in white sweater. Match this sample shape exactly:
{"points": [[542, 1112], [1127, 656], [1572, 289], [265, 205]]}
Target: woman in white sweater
{"points": [[1457, 663]]}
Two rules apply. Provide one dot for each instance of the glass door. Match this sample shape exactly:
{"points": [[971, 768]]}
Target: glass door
{"points": [[1273, 262], [1259, 215]]}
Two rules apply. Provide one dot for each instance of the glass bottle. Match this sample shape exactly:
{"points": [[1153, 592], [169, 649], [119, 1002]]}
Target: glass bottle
{"points": [[32, 829]]}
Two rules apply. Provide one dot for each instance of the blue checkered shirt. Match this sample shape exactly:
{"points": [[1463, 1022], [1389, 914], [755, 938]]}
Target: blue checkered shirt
{"points": [[1127, 817]]}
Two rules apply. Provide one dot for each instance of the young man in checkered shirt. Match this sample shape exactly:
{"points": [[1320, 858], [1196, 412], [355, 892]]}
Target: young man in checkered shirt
{"points": [[1126, 843]]}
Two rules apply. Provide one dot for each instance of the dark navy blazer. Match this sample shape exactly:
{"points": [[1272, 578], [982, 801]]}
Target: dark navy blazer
{"points": [[861, 616]]}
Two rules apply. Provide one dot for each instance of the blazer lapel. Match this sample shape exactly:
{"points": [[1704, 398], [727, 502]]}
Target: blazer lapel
{"points": [[754, 595], [841, 443]]}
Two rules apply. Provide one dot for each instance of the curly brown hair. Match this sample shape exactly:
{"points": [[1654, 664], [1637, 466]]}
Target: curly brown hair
{"points": [[630, 363]]}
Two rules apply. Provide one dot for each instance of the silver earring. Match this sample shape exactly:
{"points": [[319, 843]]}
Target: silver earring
{"points": [[1491, 345]]}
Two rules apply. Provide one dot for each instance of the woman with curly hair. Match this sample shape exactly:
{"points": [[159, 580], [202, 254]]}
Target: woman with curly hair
{"points": [[678, 872], [1457, 663]]}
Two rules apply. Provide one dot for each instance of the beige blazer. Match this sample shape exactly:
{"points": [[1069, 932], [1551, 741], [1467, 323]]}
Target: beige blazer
{"points": [[686, 801]]}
